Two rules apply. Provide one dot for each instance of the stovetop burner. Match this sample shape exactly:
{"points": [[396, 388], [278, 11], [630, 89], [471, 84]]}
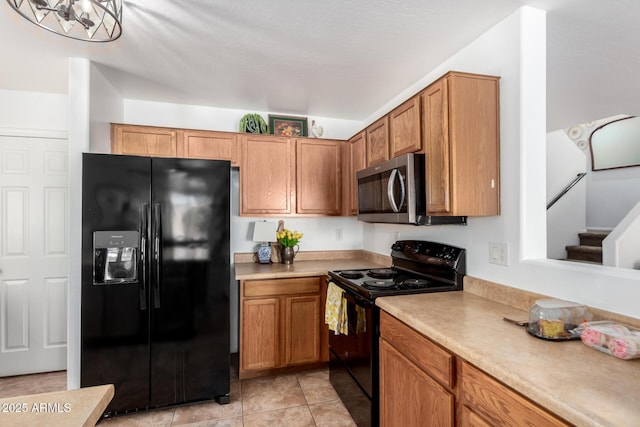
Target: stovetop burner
{"points": [[351, 274], [379, 283], [382, 273], [415, 283]]}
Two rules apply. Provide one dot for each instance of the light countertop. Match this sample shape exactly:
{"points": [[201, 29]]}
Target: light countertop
{"points": [[69, 408], [308, 264], [580, 384]]}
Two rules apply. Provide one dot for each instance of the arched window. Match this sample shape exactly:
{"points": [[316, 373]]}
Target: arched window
{"points": [[616, 144]]}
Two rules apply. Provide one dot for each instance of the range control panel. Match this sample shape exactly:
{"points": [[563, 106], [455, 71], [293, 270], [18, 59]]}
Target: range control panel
{"points": [[428, 253]]}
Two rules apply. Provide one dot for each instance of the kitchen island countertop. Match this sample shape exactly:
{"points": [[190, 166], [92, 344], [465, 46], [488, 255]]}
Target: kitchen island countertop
{"points": [[80, 407], [580, 384]]}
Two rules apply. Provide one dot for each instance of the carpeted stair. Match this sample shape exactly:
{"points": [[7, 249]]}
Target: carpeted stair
{"points": [[589, 249]]}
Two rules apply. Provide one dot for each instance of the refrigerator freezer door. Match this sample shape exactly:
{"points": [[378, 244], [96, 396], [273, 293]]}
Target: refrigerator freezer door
{"points": [[114, 319], [190, 311]]}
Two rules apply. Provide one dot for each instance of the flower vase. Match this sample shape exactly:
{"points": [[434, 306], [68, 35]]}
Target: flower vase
{"points": [[287, 253]]}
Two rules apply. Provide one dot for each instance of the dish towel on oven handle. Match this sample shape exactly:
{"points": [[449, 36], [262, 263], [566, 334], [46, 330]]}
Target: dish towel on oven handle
{"points": [[335, 310]]}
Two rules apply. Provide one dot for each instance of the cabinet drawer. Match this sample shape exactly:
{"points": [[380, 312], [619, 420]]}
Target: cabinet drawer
{"points": [[500, 405], [423, 352], [293, 286]]}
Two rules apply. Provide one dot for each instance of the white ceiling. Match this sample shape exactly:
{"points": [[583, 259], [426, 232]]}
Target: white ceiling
{"points": [[334, 58]]}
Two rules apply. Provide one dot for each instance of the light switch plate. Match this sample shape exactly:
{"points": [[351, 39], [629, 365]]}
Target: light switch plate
{"points": [[498, 253]]}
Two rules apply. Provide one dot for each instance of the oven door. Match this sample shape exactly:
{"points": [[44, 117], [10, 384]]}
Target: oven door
{"points": [[353, 360]]}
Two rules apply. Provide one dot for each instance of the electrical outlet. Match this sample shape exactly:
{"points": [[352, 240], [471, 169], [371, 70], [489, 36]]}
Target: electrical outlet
{"points": [[499, 253], [338, 234]]}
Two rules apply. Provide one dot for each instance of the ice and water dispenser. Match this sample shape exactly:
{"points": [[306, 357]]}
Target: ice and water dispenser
{"points": [[115, 257]]}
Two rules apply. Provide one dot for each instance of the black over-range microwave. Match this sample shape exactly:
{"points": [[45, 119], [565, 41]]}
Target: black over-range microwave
{"points": [[395, 192]]}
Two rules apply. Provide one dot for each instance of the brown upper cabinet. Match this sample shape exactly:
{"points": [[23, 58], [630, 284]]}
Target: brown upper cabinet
{"points": [[278, 176], [282, 176], [378, 141], [460, 119], [404, 128], [357, 154], [210, 145], [318, 176], [267, 175], [168, 142], [144, 141]]}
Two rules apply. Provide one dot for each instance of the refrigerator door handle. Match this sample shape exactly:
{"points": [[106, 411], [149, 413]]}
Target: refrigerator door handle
{"points": [[144, 224], [157, 256]]}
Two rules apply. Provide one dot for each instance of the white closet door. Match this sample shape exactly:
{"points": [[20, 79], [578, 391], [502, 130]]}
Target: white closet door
{"points": [[34, 242]]}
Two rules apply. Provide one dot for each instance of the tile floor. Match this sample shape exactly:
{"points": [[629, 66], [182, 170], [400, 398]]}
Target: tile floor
{"points": [[303, 399]]}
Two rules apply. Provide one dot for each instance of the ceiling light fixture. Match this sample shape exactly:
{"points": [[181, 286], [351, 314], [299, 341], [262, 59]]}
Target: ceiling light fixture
{"points": [[88, 20]]}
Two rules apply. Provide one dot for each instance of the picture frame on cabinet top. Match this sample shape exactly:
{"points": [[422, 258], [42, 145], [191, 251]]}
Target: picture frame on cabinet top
{"points": [[288, 126]]}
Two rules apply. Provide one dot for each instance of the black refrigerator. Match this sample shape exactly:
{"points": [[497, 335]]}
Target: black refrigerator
{"points": [[155, 280]]}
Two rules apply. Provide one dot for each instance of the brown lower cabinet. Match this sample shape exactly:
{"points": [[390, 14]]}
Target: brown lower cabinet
{"points": [[423, 384], [281, 325], [416, 378], [490, 402], [409, 396]]}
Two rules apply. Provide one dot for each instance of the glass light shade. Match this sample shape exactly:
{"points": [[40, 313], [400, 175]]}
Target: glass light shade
{"points": [[88, 20], [264, 231]]}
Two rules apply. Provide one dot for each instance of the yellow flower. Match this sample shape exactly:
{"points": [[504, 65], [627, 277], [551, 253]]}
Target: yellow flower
{"points": [[288, 238]]}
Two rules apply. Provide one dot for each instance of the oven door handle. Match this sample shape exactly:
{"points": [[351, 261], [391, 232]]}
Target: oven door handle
{"points": [[356, 300]]}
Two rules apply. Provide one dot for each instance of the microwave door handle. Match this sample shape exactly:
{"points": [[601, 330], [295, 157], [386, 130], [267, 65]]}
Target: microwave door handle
{"points": [[390, 195], [402, 190]]}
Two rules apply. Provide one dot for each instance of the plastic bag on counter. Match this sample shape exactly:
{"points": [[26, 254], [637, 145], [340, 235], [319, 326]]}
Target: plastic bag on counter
{"points": [[612, 338]]}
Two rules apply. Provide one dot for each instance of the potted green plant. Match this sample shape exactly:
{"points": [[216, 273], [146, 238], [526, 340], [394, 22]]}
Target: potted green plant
{"points": [[253, 123]]}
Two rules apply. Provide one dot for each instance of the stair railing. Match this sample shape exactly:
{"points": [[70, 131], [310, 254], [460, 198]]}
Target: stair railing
{"points": [[566, 189]]}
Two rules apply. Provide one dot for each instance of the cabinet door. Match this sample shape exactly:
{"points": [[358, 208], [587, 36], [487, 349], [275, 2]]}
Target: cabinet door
{"points": [[260, 334], [318, 176], [475, 144], [302, 329], [408, 396], [358, 161], [266, 176], [143, 141], [404, 127], [378, 141], [211, 145], [437, 149]]}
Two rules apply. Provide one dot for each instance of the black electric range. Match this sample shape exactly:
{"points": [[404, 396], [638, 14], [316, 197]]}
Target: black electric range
{"points": [[417, 267]]}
